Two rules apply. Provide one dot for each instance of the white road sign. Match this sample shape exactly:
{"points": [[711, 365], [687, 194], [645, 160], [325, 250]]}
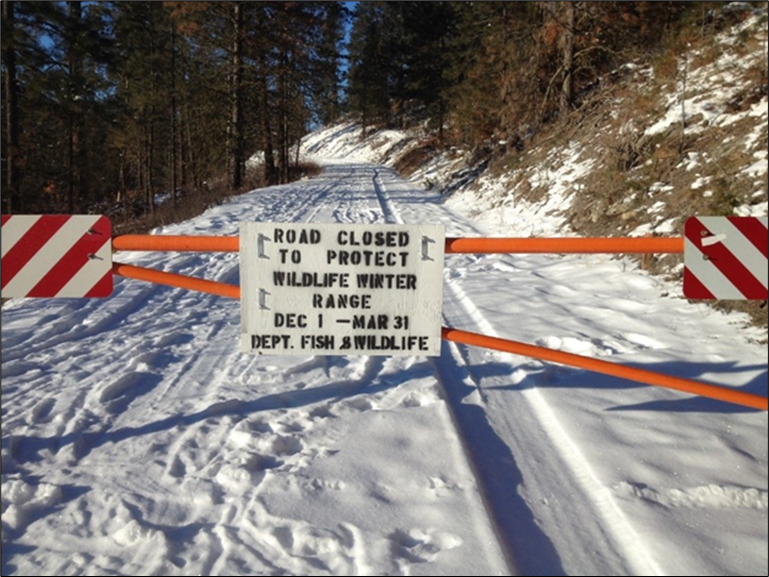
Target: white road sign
{"points": [[337, 289]]}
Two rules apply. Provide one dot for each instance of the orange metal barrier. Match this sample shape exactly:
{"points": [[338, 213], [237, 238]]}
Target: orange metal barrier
{"points": [[464, 337], [460, 246], [598, 366], [145, 242], [176, 280], [453, 245], [565, 245]]}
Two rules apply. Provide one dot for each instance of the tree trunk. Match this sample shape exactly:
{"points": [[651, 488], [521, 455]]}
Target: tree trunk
{"points": [[236, 153], [192, 155], [567, 89], [283, 123], [174, 183], [75, 97], [122, 192], [270, 175], [11, 194], [150, 160]]}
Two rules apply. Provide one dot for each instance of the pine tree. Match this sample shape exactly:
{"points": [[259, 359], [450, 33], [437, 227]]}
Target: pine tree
{"points": [[236, 156], [143, 89], [326, 76], [12, 199], [490, 94], [59, 52], [370, 65]]}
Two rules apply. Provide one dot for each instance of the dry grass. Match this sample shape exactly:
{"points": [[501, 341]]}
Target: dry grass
{"points": [[416, 156]]}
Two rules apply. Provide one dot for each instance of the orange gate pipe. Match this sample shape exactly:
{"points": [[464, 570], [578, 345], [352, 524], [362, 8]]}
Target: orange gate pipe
{"points": [[146, 242], [598, 366], [176, 280], [452, 245], [565, 245]]}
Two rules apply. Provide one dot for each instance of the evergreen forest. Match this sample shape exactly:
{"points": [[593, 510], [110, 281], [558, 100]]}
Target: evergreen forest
{"points": [[115, 107]]}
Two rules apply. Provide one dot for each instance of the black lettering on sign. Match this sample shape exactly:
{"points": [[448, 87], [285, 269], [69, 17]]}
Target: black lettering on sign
{"points": [[319, 342], [379, 258], [296, 256], [367, 238], [390, 343], [375, 322], [341, 301], [269, 341], [290, 320], [311, 279], [291, 236], [387, 281]]}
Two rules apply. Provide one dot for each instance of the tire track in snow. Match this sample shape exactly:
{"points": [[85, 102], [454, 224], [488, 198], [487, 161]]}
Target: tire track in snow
{"points": [[592, 515], [453, 404], [372, 367], [388, 209]]}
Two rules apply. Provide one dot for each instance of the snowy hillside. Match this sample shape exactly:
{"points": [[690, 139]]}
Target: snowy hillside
{"points": [[635, 120]]}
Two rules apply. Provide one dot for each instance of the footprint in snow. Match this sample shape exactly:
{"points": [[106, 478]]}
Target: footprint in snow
{"points": [[118, 395], [420, 545]]}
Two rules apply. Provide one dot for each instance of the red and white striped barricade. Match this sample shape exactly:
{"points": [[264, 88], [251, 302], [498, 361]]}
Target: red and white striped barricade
{"points": [[725, 257], [56, 255]]}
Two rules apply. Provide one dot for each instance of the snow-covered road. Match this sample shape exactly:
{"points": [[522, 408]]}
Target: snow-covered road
{"points": [[137, 439]]}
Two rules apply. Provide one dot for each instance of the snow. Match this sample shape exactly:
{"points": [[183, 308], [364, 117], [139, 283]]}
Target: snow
{"points": [[347, 140], [756, 210], [137, 439], [710, 89]]}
